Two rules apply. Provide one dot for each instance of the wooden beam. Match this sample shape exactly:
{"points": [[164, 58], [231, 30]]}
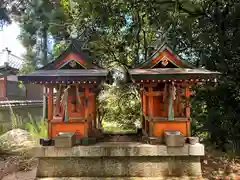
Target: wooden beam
{"points": [[162, 119], [50, 103], [143, 109], [5, 87], [50, 110], [44, 115], [151, 128], [150, 100], [188, 94], [154, 93], [86, 105], [151, 84], [94, 111]]}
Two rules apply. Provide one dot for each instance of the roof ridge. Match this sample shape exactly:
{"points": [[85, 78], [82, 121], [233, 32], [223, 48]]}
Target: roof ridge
{"points": [[73, 47]]}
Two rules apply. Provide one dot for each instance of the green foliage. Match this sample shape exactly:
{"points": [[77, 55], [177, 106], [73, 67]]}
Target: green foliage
{"points": [[113, 127], [16, 121], [205, 33], [119, 105], [210, 40], [4, 17], [3, 129], [59, 48], [36, 127]]}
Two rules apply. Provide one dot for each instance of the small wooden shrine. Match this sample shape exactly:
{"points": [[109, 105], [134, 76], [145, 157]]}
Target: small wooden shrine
{"points": [[165, 82], [72, 81]]}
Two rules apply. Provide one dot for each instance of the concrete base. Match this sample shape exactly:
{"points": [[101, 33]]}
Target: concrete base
{"points": [[120, 161]]}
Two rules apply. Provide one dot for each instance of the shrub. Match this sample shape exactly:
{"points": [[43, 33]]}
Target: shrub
{"points": [[36, 127]]}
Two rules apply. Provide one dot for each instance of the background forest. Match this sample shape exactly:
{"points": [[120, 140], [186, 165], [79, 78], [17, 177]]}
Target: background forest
{"points": [[123, 33]]}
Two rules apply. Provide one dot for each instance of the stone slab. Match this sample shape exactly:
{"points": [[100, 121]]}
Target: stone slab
{"points": [[196, 150], [123, 178], [125, 149], [140, 166]]}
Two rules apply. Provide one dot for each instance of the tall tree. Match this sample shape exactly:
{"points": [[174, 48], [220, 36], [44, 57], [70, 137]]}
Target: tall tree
{"points": [[123, 33], [211, 41]]}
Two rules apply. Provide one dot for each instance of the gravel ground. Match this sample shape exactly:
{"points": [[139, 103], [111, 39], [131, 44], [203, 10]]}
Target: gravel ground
{"points": [[21, 175]]}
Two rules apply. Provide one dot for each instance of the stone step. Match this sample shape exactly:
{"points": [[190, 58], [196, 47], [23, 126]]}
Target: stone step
{"points": [[119, 167], [120, 160], [124, 178]]}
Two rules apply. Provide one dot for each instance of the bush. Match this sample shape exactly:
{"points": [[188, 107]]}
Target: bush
{"points": [[36, 127]]}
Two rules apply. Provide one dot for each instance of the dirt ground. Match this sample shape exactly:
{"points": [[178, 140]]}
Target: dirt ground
{"points": [[220, 168], [21, 175], [213, 167], [17, 168]]}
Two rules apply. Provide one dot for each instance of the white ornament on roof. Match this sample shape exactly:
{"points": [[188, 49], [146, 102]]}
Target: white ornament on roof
{"points": [[164, 61]]}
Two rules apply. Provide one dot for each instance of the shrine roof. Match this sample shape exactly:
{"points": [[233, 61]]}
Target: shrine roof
{"points": [[72, 52], [9, 59], [171, 73], [73, 65], [65, 75], [164, 53]]}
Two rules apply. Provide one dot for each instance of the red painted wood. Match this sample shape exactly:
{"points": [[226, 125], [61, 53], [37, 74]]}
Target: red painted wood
{"points": [[172, 57], [71, 56]]}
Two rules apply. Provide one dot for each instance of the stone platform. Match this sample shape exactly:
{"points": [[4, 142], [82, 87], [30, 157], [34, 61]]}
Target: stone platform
{"points": [[125, 178], [120, 161]]}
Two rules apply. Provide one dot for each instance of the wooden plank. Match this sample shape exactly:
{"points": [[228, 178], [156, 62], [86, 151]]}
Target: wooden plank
{"points": [[157, 119], [188, 94], [44, 103], [86, 111], [94, 123], [151, 84], [50, 103], [150, 110], [151, 127], [154, 93], [5, 87], [144, 101], [86, 103], [79, 120], [151, 101]]}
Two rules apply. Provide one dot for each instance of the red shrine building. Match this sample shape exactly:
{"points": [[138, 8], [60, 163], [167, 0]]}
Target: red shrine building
{"points": [[165, 83], [72, 81]]}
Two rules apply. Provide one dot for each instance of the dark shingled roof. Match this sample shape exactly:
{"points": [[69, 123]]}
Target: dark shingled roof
{"points": [[15, 61], [74, 47], [65, 75], [12, 61], [164, 46], [52, 74], [70, 72], [6, 70], [171, 73]]}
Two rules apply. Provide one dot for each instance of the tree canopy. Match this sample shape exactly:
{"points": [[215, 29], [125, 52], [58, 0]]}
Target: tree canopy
{"points": [[124, 32]]}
